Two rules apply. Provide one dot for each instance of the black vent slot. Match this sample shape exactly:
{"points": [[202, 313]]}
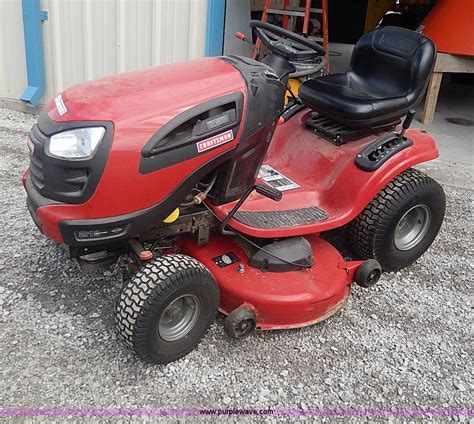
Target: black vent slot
{"points": [[205, 124], [36, 171], [74, 182], [38, 139], [380, 151], [196, 124], [338, 133]]}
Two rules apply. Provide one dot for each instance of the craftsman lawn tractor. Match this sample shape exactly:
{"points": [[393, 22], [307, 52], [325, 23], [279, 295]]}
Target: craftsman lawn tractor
{"points": [[224, 198]]}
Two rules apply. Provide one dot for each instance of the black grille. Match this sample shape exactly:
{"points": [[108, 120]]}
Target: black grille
{"points": [[36, 171], [69, 181], [51, 177]]}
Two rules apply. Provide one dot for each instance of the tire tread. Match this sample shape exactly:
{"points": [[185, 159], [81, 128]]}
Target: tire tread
{"points": [[152, 281], [366, 231]]}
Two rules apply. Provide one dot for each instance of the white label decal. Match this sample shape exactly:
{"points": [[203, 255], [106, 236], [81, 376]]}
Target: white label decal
{"points": [[215, 141], [276, 179], [60, 106]]}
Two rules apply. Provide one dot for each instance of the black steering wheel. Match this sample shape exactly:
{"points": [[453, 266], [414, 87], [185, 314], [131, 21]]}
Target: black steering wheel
{"points": [[286, 43]]}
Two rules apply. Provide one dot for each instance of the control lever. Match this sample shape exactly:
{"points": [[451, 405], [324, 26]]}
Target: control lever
{"points": [[243, 37], [269, 191], [263, 189], [406, 123]]}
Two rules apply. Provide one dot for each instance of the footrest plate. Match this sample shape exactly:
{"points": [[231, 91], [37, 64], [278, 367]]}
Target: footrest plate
{"points": [[281, 219]]}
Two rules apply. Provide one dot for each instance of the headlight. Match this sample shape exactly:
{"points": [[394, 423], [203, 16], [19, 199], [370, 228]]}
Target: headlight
{"points": [[76, 144]]}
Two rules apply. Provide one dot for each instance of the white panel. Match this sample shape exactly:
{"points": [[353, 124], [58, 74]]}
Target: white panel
{"points": [[87, 39], [13, 79]]}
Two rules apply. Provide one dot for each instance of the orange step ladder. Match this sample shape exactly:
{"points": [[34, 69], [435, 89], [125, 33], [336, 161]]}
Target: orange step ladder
{"points": [[286, 12]]}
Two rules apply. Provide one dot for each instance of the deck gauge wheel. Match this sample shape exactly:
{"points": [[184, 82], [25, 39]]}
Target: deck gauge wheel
{"points": [[368, 274], [241, 322]]}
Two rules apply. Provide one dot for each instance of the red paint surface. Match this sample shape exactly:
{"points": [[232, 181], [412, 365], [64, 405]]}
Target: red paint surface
{"points": [[280, 300], [139, 103], [450, 26], [327, 175]]}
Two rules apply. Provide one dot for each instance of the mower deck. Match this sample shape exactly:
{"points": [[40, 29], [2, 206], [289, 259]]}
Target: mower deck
{"points": [[280, 300]]}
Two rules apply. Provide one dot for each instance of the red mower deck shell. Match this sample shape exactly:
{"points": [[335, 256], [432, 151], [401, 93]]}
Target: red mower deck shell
{"points": [[139, 103], [280, 300], [327, 175]]}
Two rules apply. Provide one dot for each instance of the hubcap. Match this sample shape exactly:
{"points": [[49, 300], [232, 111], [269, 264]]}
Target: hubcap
{"points": [[412, 227], [179, 318], [244, 327]]}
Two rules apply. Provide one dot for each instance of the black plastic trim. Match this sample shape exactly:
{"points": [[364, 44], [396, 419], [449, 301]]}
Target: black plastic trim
{"points": [[35, 198], [292, 109], [284, 255], [380, 151], [55, 170], [155, 158], [137, 223], [265, 94], [264, 103]]}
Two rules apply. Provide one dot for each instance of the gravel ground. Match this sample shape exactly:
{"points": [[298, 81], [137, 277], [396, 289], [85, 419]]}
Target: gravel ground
{"points": [[406, 343]]}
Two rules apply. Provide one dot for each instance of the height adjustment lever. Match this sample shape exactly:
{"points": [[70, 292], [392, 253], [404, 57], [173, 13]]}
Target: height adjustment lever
{"points": [[268, 191], [263, 189]]}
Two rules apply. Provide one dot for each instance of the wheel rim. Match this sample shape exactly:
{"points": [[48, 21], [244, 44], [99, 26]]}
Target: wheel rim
{"points": [[412, 227], [179, 318], [373, 276], [244, 327]]}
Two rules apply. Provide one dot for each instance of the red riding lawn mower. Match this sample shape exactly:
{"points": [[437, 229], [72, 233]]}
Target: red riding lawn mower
{"points": [[224, 197]]}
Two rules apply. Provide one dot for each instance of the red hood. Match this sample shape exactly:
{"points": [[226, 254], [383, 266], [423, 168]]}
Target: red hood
{"points": [[148, 97]]}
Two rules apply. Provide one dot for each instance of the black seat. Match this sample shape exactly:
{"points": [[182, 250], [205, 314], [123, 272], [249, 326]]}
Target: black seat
{"points": [[388, 74]]}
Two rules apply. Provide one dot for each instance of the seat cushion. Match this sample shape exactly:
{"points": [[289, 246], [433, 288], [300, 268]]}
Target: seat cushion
{"points": [[346, 101], [389, 70]]}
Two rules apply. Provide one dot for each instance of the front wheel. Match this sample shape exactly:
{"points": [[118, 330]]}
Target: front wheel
{"points": [[166, 308], [401, 222]]}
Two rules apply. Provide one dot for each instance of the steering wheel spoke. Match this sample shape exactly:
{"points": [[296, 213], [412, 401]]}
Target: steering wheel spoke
{"points": [[286, 43]]}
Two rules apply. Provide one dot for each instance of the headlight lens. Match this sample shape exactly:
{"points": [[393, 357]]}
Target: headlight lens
{"points": [[76, 144]]}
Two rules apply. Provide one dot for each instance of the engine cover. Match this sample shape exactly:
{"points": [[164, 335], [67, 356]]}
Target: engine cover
{"points": [[167, 127]]}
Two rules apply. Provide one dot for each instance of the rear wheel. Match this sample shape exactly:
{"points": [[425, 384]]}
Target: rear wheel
{"points": [[166, 308], [401, 222]]}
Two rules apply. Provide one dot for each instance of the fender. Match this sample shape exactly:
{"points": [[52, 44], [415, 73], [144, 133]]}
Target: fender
{"points": [[329, 178], [368, 184]]}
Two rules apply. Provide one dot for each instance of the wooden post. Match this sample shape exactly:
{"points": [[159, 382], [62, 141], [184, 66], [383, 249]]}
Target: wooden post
{"points": [[444, 63], [431, 98]]}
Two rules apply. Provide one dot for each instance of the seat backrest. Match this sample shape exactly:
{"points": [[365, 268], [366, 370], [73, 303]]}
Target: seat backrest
{"points": [[393, 62]]}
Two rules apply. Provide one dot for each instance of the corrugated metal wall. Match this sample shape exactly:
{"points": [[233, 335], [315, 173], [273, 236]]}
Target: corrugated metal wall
{"points": [[12, 50], [87, 39]]}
